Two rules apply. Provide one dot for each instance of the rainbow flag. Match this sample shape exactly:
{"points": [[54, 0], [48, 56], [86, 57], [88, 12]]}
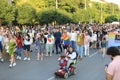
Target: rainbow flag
{"points": [[113, 39], [50, 38], [65, 39]]}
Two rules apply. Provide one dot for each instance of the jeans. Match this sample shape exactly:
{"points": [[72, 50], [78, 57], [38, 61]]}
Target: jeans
{"points": [[73, 44], [19, 51], [58, 45], [80, 50]]}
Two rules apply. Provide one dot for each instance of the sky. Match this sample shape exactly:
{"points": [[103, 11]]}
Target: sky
{"points": [[114, 1]]}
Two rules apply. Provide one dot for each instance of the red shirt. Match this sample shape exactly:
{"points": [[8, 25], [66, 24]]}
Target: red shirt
{"points": [[19, 41]]}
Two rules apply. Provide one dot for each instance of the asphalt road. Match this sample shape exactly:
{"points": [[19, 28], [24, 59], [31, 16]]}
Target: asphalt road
{"points": [[90, 68]]}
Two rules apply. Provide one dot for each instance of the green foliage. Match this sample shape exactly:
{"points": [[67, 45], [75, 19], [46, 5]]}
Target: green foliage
{"points": [[7, 11], [50, 16], [45, 12], [110, 19], [26, 14]]}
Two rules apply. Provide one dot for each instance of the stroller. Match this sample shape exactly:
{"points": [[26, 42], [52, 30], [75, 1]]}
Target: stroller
{"points": [[61, 72]]}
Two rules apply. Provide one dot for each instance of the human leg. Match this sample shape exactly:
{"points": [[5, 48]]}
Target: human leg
{"points": [[51, 48], [47, 49]]}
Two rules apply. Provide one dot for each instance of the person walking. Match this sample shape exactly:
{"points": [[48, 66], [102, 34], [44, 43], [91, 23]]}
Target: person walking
{"points": [[1, 46], [19, 46], [80, 44], [49, 43], [87, 40], [103, 46], [11, 50], [40, 46]]}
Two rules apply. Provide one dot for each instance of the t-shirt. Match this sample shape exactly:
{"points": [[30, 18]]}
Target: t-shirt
{"points": [[80, 39], [73, 36], [19, 41], [87, 40], [114, 68], [50, 39]]}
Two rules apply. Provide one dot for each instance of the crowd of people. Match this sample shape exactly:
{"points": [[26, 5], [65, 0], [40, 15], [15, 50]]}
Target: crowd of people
{"points": [[17, 41]]}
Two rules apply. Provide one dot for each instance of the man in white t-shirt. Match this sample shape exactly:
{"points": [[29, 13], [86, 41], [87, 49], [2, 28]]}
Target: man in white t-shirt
{"points": [[73, 37], [94, 37]]}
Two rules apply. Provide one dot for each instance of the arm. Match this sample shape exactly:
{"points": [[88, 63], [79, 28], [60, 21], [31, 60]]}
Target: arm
{"points": [[108, 76], [109, 71], [73, 55]]}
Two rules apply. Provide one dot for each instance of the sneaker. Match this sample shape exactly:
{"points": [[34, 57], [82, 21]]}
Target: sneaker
{"points": [[46, 54], [19, 58], [41, 58], [50, 54], [25, 58], [10, 65], [14, 64], [2, 60], [28, 59]]}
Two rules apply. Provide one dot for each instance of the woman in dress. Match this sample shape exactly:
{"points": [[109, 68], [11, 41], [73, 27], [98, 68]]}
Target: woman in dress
{"points": [[40, 46], [11, 50]]}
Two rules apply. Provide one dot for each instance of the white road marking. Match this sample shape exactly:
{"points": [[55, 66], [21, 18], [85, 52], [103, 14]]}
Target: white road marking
{"points": [[94, 53], [51, 78]]}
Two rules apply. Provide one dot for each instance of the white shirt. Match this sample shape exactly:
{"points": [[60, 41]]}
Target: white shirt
{"points": [[48, 42], [72, 56], [94, 37], [26, 42], [73, 36]]}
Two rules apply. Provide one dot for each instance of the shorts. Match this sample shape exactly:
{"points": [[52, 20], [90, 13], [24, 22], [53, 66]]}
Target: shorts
{"points": [[26, 47]]}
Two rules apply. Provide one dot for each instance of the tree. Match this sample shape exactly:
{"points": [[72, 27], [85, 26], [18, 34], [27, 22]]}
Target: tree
{"points": [[49, 16], [7, 12], [111, 18], [26, 14]]}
